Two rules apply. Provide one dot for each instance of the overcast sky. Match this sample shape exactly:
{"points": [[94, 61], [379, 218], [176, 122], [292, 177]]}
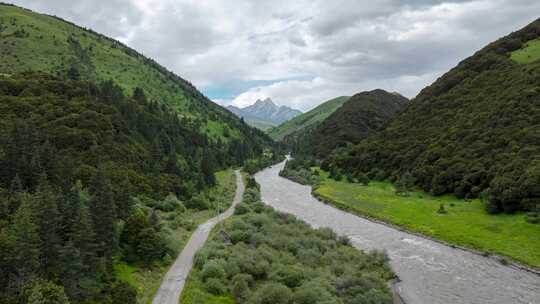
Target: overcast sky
{"points": [[301, 52]]}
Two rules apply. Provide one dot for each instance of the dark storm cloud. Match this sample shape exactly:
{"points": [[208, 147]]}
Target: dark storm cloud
{"points": [[301, 52]]}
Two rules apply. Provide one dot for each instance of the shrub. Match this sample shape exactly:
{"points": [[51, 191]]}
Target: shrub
{"points": [[200, 259], [312, 292], [212, 269], [290, 276], [242, 209], [198, 202], [363, 179], [215, 286], [441, 210], [123, 293], [45, 292], [272, 293], [240, 286], [171, 203]]}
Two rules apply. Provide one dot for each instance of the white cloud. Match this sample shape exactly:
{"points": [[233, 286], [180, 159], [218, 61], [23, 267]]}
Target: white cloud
{"points": [[340, 46]]}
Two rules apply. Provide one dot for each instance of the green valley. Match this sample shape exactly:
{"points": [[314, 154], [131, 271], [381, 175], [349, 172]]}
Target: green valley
{"points": [[122, 183]]}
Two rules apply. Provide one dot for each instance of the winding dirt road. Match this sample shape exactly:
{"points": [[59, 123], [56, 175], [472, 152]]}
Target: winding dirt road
{"points": [[173, 282]]}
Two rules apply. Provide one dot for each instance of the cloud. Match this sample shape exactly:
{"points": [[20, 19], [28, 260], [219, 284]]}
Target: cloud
{"points": [[302, 52]]}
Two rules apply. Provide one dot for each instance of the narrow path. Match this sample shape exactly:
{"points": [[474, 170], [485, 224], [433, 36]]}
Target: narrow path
{"points": [[431, 273], [173, 282]]}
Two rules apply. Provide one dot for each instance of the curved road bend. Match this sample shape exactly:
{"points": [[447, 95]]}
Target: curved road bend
{"points": [[431, 273], [173, 282]]}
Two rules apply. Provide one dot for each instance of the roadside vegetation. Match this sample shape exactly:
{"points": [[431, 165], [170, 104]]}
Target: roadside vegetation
{"points": [[263, 256], [176, 221], [448, 218]]}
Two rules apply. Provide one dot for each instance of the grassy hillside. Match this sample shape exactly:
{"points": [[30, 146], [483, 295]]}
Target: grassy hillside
{"points": [[475, 131], [36, 42], [307, 120]]}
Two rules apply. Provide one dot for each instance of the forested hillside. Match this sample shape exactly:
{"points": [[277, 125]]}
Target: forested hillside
{"points": [[36, 42], [74, 157], [306, 121], [475, 131], [359, 116], [99, 147]]}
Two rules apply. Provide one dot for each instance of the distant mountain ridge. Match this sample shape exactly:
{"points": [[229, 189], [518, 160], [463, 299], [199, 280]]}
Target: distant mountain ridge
{"points": [[265, 113]]}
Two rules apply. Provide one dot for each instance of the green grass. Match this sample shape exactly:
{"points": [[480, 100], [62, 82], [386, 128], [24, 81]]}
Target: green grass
{"points": [[148, 280], [465, 224], [527, 54]]}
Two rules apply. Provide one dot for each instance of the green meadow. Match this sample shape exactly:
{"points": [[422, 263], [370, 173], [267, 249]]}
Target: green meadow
{"points": [[465, 223], [528, 54]]}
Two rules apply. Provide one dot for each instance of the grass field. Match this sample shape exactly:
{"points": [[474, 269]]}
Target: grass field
{"points": [[465, 223], [528, 54], [148, 280]]}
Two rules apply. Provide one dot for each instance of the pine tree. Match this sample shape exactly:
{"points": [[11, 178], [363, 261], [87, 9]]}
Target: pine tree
{"points": [[124, 203], [25, 241], [14, 199], [45, 204], [129, 239], [138, 95], [72, 270], [208, 167], [102, 209]]}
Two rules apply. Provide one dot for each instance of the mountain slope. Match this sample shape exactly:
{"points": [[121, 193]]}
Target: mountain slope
{"points": [[307, 120], [477, 128], [264, 113], [359, 116], [76, 158], [37, 42]]}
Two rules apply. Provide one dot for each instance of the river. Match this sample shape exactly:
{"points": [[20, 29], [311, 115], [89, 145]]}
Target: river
{"points": [[430, 272]]}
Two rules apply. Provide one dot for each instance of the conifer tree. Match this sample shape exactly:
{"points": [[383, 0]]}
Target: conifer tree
{"points": [[123, 200], [25, 241], [103, 213], [45, 204]]}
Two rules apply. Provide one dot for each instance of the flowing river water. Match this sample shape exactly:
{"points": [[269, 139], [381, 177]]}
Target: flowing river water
{"points": [[430, 272]]}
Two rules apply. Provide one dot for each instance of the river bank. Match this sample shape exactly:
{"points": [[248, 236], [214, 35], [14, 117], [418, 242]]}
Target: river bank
{"points": [[430, 272]]}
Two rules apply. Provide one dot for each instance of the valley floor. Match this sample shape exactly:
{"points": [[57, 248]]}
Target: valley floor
{"points": [[465, 223]]}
